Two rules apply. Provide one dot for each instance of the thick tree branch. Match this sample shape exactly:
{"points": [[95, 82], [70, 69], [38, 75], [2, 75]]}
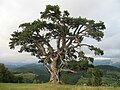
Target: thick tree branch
{"points": [[58, 42], [76, 30], [67, 41], [50, 48], [85, 45], [73, 46], [41, 48], [78, 45], [47, 68], [60, 69], [71, 38], [63, 42], [83, 30], [80, 29]]}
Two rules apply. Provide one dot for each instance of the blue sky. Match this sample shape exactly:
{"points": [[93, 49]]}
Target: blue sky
{"points": [[15, 12]]}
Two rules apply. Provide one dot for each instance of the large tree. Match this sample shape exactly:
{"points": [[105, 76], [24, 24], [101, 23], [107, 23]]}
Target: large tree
{"points": [[56, 38]]}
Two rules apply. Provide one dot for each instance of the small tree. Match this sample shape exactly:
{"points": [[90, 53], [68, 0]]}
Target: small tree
{"points": [[56, 37], [96, 77], [5, 75]]}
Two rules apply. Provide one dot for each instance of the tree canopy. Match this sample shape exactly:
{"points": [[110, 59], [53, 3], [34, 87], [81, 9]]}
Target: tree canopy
{"points": [[56, 38]]}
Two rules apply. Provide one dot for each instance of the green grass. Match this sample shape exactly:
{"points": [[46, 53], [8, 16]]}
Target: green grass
{"points": [[10, 86]]}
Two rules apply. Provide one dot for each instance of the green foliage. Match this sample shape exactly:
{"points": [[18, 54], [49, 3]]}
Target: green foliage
{"points": [[93, 77], [41, 78], [95, 72], [70, 78], [83, 81], [96, 75], [97, 51], [73, 65], [83, 62], [52, 12]]}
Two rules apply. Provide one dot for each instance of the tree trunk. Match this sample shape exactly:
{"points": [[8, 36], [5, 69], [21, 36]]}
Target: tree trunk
{"points": [[55, 73]]}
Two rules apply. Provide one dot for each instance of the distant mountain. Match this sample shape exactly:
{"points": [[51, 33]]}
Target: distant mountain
{"points": [[102, 62], [117, 64], [107, 62], [14, 65]]}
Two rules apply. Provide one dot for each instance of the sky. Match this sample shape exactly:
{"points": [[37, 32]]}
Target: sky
{"points": [[15, 12]]}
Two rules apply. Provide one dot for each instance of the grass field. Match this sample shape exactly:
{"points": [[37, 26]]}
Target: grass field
{"points": [[9, 86]]}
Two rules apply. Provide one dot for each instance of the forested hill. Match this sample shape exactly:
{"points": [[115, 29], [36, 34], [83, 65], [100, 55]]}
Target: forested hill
{"points": [[33, 68]]}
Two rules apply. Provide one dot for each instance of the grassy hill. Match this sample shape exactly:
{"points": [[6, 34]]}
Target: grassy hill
{"points": [[9, 86]]}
